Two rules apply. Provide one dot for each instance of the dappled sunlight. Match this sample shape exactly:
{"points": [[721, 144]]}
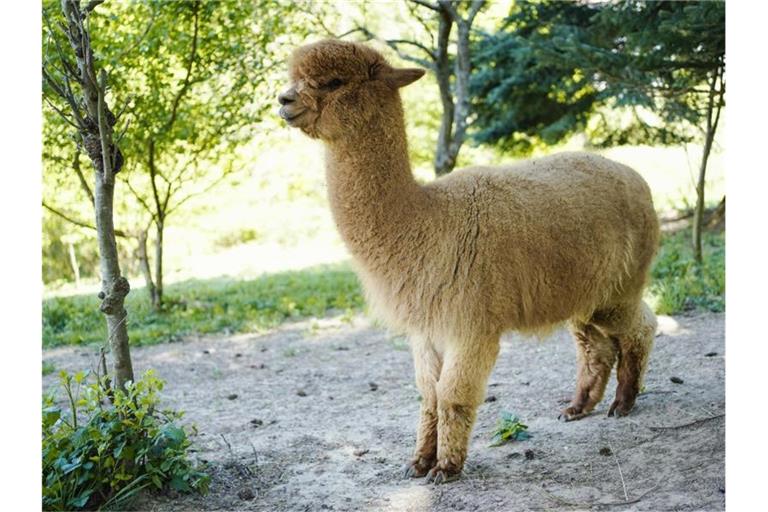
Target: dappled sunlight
{"points": [[668, 326], [415, 497]]}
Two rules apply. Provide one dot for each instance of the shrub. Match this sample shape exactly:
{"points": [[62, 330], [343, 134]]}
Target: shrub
{"points": [[100, 454]]}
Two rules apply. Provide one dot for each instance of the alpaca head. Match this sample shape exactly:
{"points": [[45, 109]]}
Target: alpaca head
{"points": [[338, 87]]}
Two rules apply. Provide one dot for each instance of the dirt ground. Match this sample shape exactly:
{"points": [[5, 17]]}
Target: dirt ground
{"points": [[322, 415]]}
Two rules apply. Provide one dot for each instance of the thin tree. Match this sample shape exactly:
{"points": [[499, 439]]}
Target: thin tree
{"points": [[82, 85], [452, 70], [714, 107]]}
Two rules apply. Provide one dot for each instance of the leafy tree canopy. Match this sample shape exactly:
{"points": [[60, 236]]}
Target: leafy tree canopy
{"points": [[552, 65]]}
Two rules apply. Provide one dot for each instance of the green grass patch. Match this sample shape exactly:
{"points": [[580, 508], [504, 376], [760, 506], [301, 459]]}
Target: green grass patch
{"points": [[679, 284], [209, 306], [48, 368]]}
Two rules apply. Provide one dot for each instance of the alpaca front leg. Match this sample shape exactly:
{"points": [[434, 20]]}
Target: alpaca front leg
{"points": [[427, 364], [460, 391]]}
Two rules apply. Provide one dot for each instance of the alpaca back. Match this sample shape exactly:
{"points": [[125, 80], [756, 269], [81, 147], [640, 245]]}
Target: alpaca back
{"points": [[522, 247]]}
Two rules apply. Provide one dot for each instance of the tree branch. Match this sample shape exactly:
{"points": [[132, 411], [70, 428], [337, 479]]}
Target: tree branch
{"points": [[426, 4], [76, 222], [476, 6], [64, 116], [81, 177], [186, 82], [92, 5], [200, 192], [447, 7], [152, 175], [393, 43], [140, 199], [426, 50]]}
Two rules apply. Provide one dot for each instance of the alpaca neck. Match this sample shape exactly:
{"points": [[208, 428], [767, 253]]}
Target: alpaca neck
{"points": [[371, 189]]}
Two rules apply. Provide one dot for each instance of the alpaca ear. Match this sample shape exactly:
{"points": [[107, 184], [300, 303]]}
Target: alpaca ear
{"points": [[400, 77]]}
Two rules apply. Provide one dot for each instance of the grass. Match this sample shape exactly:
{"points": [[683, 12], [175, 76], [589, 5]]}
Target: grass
{"points": [[678, 284], [48, 368], [230, 305], [209, 306]]}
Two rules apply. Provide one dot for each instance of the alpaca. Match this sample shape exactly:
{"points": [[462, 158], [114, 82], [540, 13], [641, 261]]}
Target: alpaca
{"points": [[484, 250]]}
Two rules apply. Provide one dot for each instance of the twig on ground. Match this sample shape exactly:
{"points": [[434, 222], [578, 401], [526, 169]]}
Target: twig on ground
{"points": [[229, 446], [691, 424], [567, 503], [621, 475]]}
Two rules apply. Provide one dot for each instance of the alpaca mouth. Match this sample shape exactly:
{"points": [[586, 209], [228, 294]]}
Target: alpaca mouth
{"points": [[288, 117]]}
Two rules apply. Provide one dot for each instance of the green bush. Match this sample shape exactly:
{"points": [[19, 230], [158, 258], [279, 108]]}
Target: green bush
{"points": [[679, 284], [99, 454]]}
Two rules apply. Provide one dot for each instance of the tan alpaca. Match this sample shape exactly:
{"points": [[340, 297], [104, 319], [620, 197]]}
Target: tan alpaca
{"points": [[484, 250]]}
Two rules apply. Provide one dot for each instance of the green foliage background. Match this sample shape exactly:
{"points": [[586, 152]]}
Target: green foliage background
{"points": [[261, 248]]}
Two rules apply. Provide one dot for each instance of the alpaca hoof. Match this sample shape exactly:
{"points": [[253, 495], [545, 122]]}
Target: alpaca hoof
{"points": [[620, 408], [417, 468], [438, 475], [572, 414]]}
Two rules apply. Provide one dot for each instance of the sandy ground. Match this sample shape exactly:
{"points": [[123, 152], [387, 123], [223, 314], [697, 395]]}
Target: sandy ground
{"points": [[322, 417]]}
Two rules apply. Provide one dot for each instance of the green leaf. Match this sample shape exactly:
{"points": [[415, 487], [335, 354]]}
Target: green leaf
{"points": [[179, 484]]}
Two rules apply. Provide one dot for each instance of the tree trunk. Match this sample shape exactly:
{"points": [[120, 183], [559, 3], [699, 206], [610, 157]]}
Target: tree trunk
{"points": [[463, 67], [698, 214], [96, 133], [160, 224], [73, 263], [453, 125], [141, 240], [114, 287], [443, 162]]}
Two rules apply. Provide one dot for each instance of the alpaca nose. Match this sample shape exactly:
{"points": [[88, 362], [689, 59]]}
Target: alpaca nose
{"points": [[287, 97]]}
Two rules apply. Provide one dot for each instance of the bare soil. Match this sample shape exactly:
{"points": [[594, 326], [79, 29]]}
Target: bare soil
{"points": [[322, 417]]}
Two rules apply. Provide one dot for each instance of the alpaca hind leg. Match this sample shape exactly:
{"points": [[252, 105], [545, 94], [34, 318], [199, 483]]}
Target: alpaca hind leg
{"points": [[596, 356], [460, 392], [427, 364], [634, 327]]}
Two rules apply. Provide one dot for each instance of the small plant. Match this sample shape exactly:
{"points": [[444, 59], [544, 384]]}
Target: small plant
{"points": [[109, 445], [290, 352], [400, 343], [48, 368], [509, 428]]}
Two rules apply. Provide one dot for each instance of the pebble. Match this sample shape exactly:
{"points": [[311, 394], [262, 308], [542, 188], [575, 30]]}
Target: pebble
{"points": [[373, 386], [301, 392], [360, 452], [232, 396], [676, 380], [490, 398], [605, 451], [245, 494], [529, 455]]}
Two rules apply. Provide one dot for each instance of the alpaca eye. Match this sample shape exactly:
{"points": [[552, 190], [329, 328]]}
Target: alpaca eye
{"points": [[334, 84]]}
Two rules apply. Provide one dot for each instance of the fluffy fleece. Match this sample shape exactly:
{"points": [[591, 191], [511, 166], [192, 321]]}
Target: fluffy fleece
{"points": [[458, 261]]}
